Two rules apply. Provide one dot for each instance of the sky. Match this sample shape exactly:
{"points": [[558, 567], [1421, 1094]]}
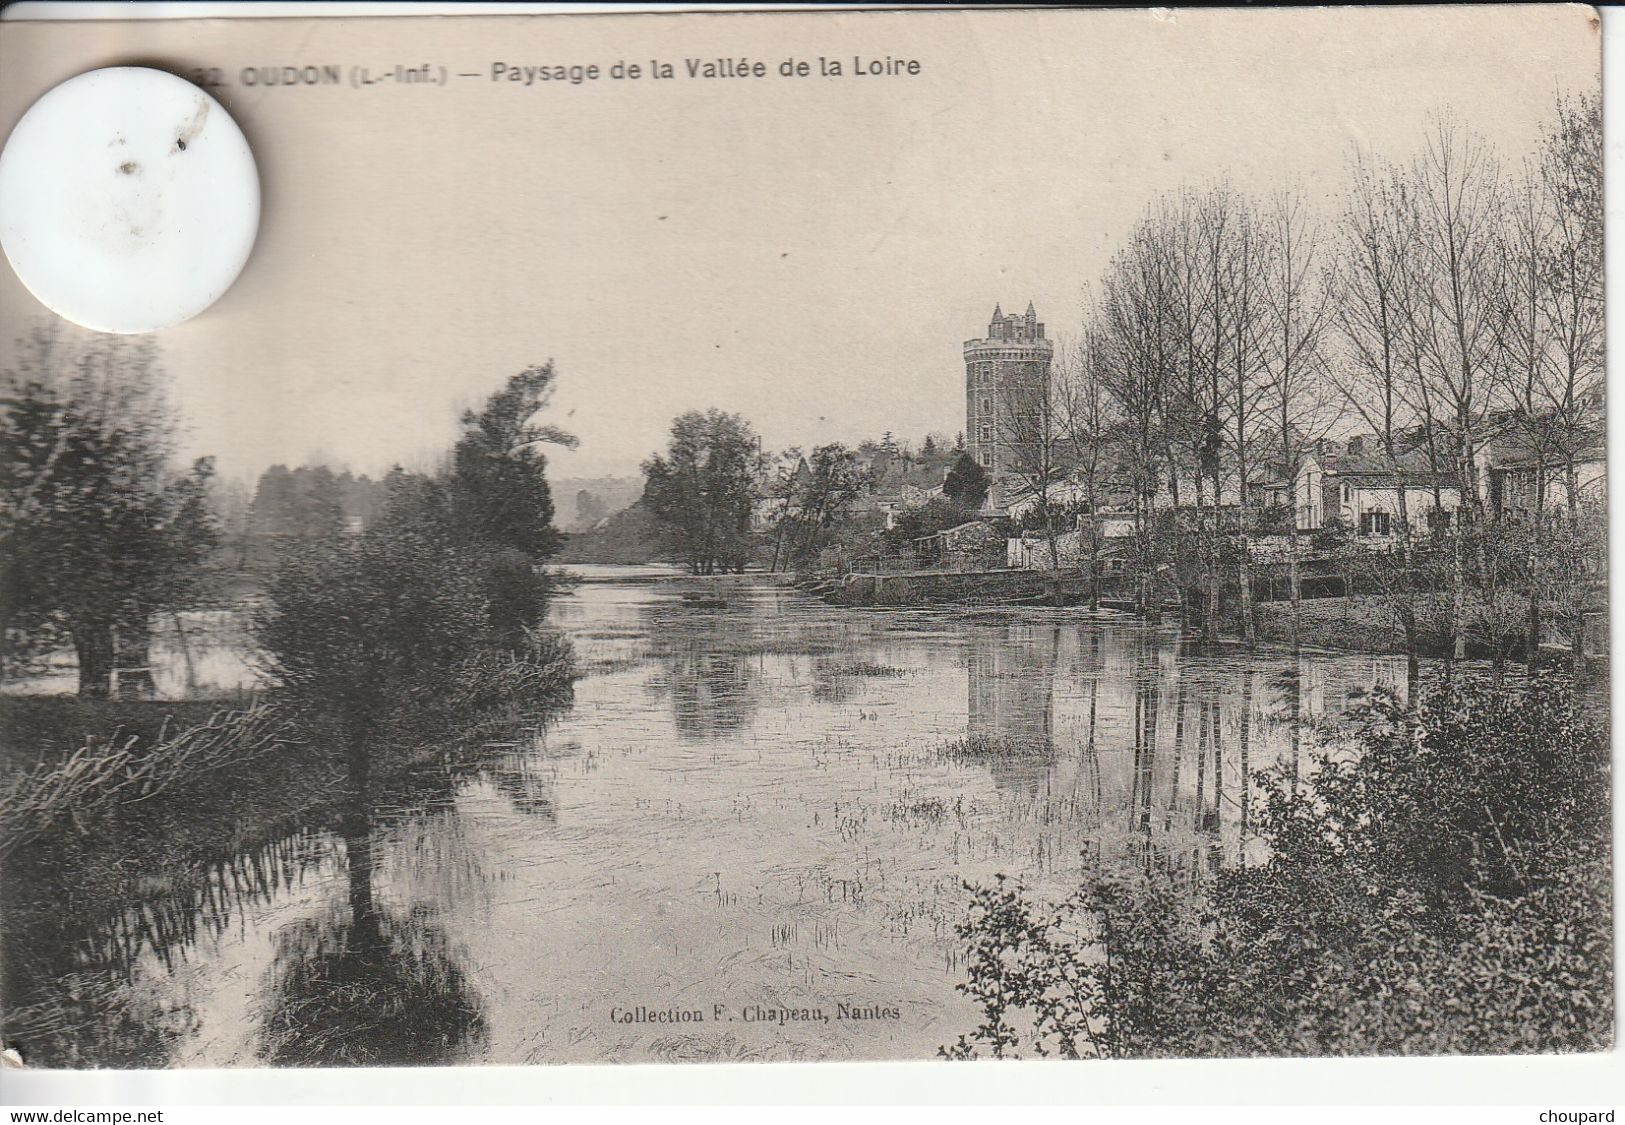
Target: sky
{"points": [[808, 252]]}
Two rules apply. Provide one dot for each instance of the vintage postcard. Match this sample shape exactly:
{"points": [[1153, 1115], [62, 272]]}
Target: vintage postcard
{"points": [[843, 535]]}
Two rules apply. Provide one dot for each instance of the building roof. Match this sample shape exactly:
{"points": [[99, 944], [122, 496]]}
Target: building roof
{"points": [[899, 474], [1379, 471], [1516, 450]]}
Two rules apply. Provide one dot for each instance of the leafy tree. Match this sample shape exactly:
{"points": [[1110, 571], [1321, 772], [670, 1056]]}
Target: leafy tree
{"points": [[308, 502], [498, 482], [966, 483], [815, 500], [326, 503], [99, 531], [936, 514], [514, 589], [395, 636], [702, 489], [363, 633]]}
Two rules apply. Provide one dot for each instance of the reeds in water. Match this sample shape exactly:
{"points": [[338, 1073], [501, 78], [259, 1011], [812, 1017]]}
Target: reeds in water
{"points": [[119, 769]]}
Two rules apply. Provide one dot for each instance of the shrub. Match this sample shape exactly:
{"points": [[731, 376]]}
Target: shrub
{"points": [[392, 639], [1447, 890]]}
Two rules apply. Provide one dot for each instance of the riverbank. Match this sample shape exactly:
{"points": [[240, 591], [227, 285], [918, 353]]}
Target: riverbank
{"points": [[948, 587], [80, 777], [43, 730], [1372, 625]]}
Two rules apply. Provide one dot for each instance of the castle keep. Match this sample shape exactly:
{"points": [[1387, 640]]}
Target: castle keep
{"points": [[1002, 370]]}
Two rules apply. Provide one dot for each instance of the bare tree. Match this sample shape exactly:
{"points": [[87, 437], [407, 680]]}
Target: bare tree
{"points": [[1193, 405], [1456, 211], [1240, 297], [1551, 311], [1086, 426], [1370, 307], [1132, 359], [1296, 394]]}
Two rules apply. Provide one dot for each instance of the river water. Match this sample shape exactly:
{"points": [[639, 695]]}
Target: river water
{"points": [[748, 838]]}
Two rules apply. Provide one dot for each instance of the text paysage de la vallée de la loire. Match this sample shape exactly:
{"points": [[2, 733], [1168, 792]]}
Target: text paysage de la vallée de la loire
{"points": [[858, 66]]}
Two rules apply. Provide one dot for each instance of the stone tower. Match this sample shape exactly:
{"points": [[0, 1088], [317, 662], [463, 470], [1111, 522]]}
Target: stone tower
{"points": [[1011, 362]]}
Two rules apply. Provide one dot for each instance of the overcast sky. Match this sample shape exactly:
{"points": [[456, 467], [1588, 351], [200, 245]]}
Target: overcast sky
{"points": [[810, 253]]}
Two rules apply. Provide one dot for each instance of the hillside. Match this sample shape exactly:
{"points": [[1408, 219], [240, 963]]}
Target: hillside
{"points": [[581, 503], [628, 536]]}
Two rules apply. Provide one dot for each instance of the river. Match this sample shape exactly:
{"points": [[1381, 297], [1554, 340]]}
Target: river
{"points": [[747, 839]]}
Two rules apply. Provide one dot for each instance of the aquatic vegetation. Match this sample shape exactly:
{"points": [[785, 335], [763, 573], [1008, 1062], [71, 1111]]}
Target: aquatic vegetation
{"points": [[119, 769], [929, 810], [868, 669], [983, 748]]}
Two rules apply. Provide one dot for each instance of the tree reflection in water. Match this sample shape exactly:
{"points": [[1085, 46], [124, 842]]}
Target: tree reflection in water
{"points": [[527, 785], [711, 693], [709, 665], [72, 973], [366, 986]]}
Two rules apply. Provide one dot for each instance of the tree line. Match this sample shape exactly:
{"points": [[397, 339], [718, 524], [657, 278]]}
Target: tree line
{"points": [[1439, 304], [720, 502], [102, 532]]}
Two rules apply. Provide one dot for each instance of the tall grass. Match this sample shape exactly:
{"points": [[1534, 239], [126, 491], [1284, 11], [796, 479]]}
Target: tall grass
{"points": [[120, 769]]}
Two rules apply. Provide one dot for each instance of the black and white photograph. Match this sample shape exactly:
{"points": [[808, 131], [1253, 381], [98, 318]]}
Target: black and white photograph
{"points": [[820, 537]]}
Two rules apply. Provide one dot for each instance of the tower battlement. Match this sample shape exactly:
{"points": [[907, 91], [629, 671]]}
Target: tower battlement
{"points": [[1021, 327]]}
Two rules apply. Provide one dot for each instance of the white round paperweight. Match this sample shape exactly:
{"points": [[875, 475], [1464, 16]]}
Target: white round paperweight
{"points": [[129, 200]]}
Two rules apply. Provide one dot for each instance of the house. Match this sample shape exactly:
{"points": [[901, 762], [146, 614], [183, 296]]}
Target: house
{"points": [[898, 485], [1516, 472], [1309, 494], [1032, 551], [772, 494], [1363, 492]]}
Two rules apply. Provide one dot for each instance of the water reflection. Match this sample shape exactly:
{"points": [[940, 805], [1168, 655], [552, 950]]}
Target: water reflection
{"points": [[1010, 688], [189, 654], [754, 802], [710, 692], [706, 661], [1159, 733], [528, 784], [363, 985], [81, 989]]}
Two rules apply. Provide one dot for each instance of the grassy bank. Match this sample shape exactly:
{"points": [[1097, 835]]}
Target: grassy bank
{"points": [[1357, 624], [133, 782], [40, 730], [1366, 623]]}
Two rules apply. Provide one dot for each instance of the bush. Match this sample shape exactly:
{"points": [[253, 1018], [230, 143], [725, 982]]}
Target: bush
{"points": [[393, 639], [1447, 890]]}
